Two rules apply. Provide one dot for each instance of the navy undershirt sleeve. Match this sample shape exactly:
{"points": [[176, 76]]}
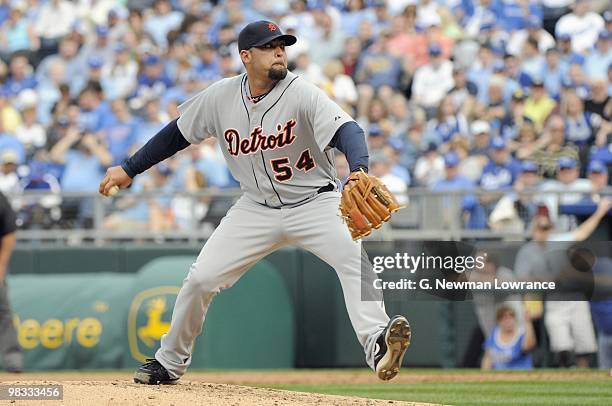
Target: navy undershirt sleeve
{"points": [[350, 140], [167, 142]]}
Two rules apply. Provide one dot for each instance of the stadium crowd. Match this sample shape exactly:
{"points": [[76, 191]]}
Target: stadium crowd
{"points": [[455, 94]]}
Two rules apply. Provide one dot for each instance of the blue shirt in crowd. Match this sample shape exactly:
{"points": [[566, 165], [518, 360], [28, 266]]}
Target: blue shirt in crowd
{"points": [[508, 356], [496, 176]]}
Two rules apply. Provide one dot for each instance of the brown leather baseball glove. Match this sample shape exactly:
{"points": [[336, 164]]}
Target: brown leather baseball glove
{"points": [[366, 203]]}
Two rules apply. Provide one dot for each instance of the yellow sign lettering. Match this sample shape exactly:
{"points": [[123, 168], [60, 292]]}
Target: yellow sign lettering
{"points": [[88, 332], [29, 332], [51, 333]]}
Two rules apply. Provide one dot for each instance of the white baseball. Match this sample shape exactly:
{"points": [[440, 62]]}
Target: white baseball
{"points": [[113, 191]]}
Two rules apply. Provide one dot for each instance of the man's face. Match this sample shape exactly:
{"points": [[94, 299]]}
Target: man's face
{"points": [[268, 60], [481, 140], [557, 132], [499, 155], [599, 180], [567, 175], [529, 179]]}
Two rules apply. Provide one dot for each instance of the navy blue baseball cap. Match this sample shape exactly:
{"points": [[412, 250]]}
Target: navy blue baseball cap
{"points": [[567, 163], [260, 33], [597, 167]]}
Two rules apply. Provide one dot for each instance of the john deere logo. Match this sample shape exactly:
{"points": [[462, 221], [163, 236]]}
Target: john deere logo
{"points": [[149, 320]]}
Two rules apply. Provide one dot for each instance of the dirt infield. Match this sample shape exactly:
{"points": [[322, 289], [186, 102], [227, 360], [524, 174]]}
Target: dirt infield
{"points": [[88, 393], [227, 387]]}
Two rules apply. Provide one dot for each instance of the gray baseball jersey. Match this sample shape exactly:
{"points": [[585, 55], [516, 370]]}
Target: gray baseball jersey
{"points": [[276, 148]]}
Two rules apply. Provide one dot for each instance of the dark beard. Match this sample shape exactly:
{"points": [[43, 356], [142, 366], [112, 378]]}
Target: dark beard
{"points": [[277, 73]]}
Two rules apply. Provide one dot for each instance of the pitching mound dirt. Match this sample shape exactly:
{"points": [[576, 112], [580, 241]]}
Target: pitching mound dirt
{"points": [[117, 393]]}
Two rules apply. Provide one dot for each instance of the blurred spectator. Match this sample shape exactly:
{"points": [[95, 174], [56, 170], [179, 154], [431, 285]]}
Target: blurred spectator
{"points": [[393, 150], [120, 79], [429, 167], [555, 147], [553, 73], [463, 93], [9, 116], [9, 180], [599, 101], [355, 14], [67, 56], [122, 133], [100, 46], [377, 68], [514, 211], [152, 82], [446, 124], [480, 138], [95, 113], [599, 58], [30, 133], [432, 81], [531, 28], [339, 86], [469, 210], [502, 169], [580, 126], [582, 24], [310, 71], [514, 119], [527, 141], [481, 70], [155, 119], [83, 157], [532, 61], [54, 21], [539, 105], [329, 39], [483, 15], [493, 111], [17, 33], [380, 166], [508, 346], [162, 21], [20, 74], [597, 174], [569, 325], [570, 188]]}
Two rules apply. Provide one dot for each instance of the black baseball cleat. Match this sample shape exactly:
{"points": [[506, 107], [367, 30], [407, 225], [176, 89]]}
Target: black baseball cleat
{"points": [[391, 346], [153, 373]]}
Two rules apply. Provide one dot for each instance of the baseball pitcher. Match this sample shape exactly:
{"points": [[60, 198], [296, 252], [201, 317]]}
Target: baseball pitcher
{"points": [[277, 133]]}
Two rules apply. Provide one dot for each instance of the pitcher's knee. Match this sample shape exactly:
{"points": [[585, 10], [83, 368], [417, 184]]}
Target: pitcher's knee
{"points": [[205, 281]]}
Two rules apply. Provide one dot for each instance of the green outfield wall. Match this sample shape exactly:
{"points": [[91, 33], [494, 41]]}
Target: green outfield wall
{"points": [[108, 307]]}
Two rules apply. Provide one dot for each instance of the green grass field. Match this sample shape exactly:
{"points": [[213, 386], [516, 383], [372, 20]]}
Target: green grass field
{"points": [[445, 386], [472, 387]]}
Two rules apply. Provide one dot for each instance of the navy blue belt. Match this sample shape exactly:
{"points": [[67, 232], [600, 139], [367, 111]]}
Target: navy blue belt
{"points": [[327, 188]]}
